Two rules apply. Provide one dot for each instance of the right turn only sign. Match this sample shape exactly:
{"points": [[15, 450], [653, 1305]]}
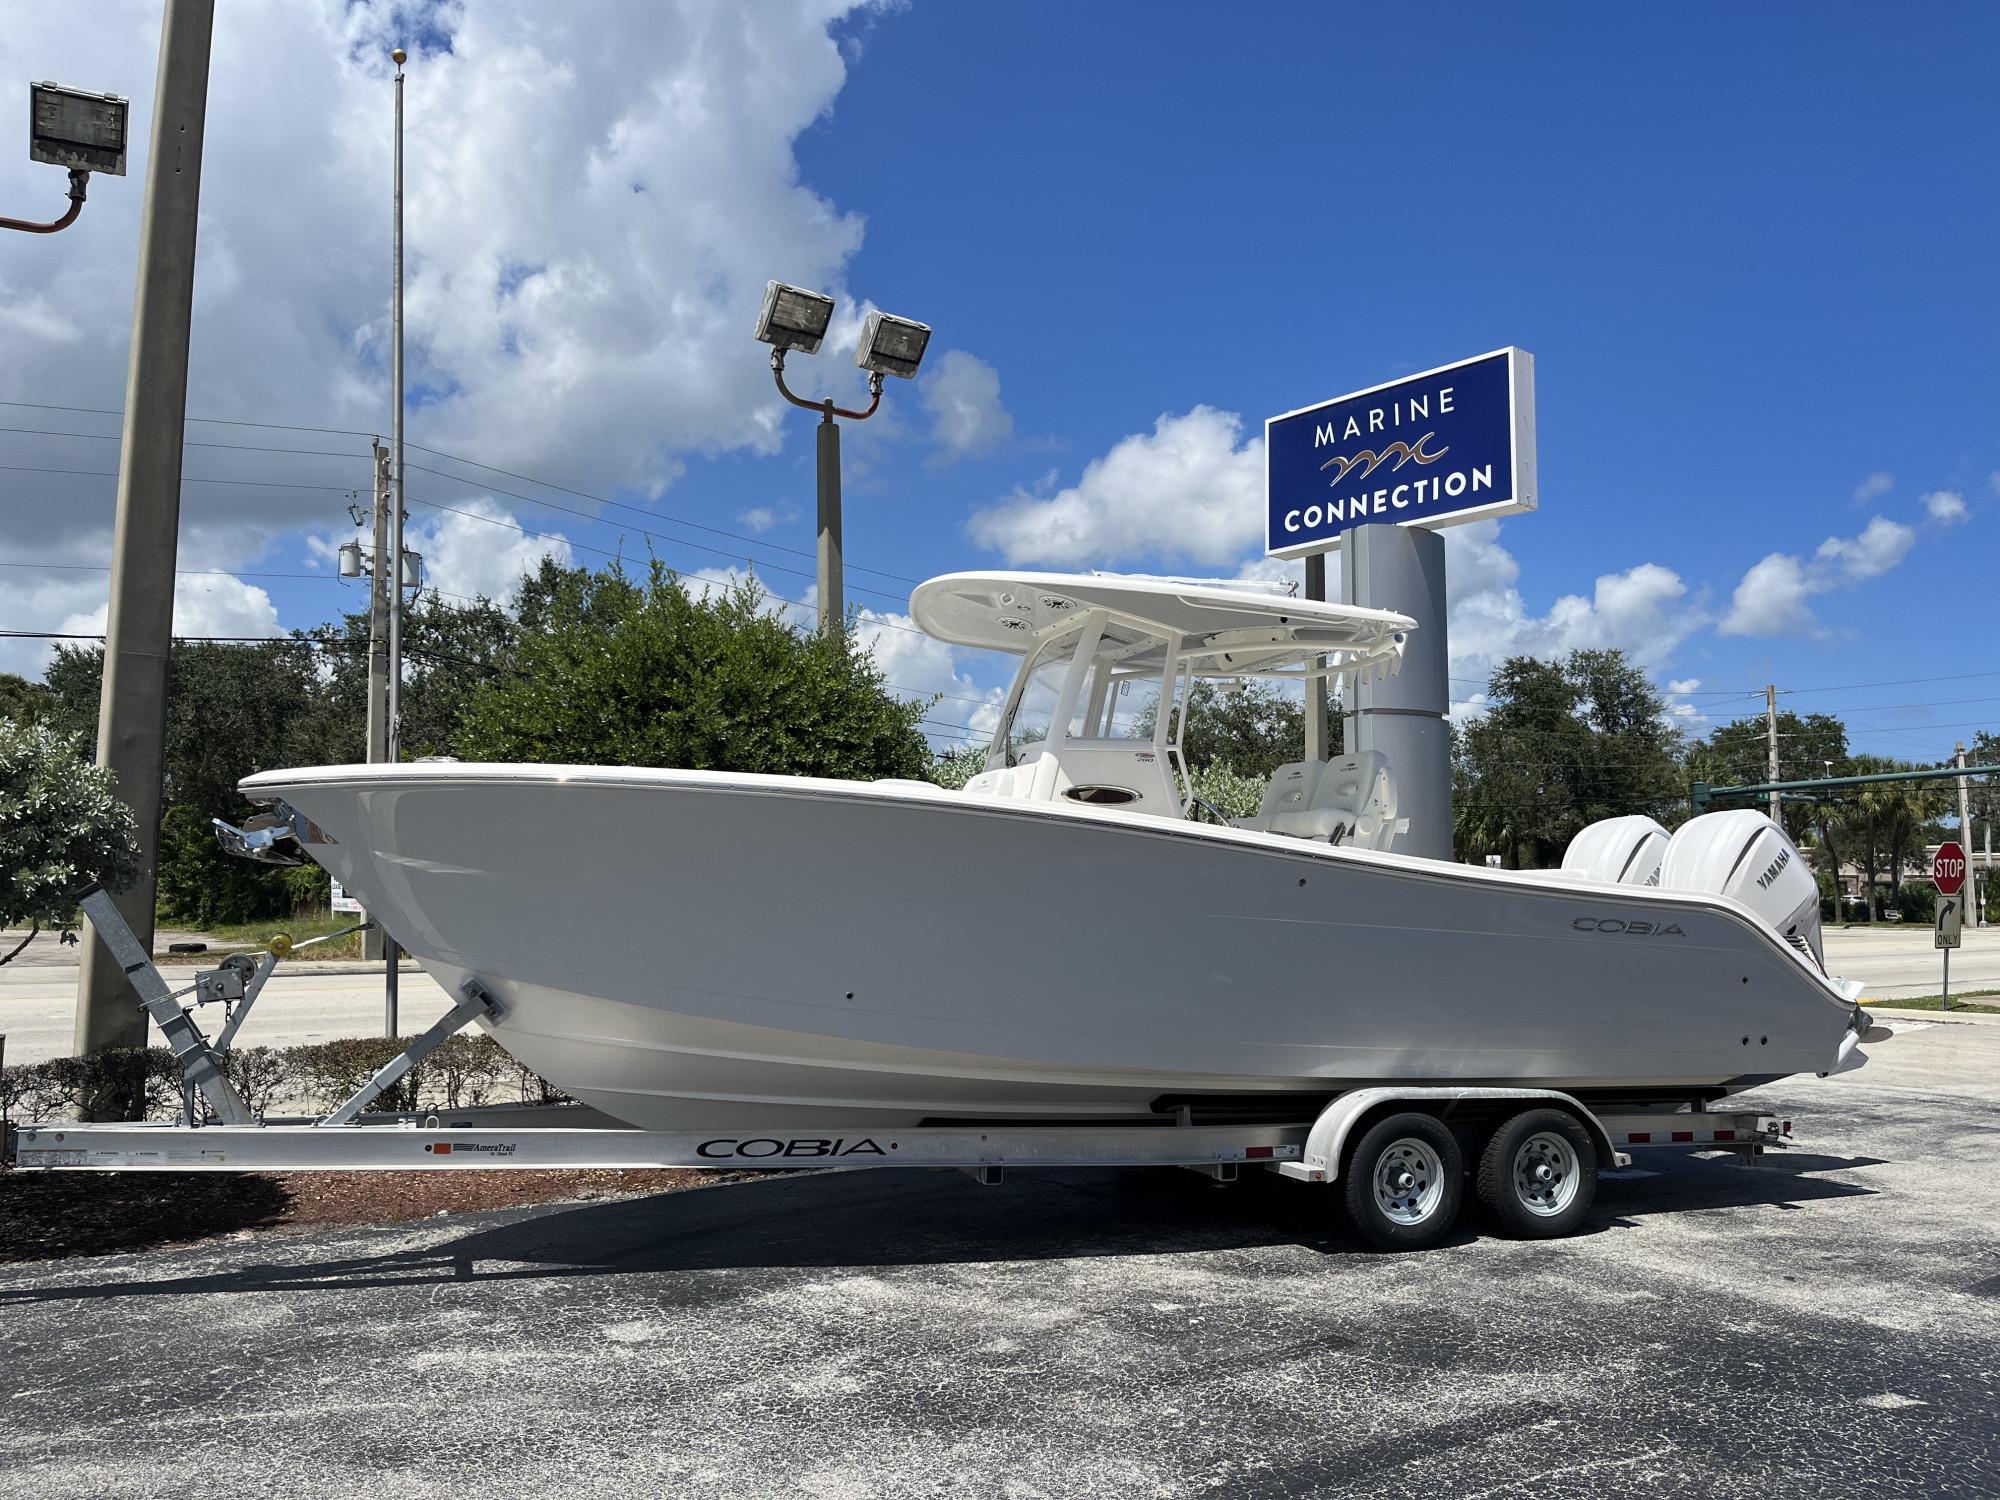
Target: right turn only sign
{"points": [[1948, 872]]}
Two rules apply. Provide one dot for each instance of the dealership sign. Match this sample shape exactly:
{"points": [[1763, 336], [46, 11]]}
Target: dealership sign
{"points": [[1450, 445]]}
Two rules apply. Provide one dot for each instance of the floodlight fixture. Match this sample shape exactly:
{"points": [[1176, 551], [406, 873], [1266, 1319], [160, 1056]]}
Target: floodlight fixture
{"points": [[793, 318], [891, 345], [76, 128]]}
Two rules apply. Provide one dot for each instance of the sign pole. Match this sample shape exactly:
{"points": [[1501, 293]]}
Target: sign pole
{"points": [[1948, 871], [1402, 568], [1317, 747]]}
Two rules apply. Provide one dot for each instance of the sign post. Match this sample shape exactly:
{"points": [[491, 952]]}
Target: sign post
{"points": [[1375, 474], [1948, 874]]}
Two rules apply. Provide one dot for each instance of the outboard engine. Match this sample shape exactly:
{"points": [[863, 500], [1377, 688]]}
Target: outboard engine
{"points": [[1620, 851], [1744, 855]]}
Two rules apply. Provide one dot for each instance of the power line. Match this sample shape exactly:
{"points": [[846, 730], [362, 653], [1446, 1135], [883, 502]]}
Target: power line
{"points": [[653, 515], [105, 411]]}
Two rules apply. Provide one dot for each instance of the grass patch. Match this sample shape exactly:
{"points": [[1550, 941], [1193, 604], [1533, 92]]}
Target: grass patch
{"points": [[239, 935], [1986, 1001]]}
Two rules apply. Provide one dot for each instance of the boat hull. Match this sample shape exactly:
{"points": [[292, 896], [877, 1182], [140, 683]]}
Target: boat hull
{"points": [[689, 949]]}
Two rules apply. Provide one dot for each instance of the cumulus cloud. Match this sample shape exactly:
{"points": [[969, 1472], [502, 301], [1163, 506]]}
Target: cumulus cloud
{"points": [[1772, 598], [204, 605], [1946, 507], [762, 518], [1646, 611], [479, 549], [1192, 488], [600, 190], [1873, 487], [962, 395]]}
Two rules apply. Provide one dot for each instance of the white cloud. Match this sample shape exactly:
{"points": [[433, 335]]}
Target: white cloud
{"points": [[1645, 610], [204, 605], [1875, 485], [1684, 685], [1946, 507], [762, 518], [1191, 488], [1882, 544], [918, 665], [962, 394], [1772, 598], [478, 549], [598, 192]]}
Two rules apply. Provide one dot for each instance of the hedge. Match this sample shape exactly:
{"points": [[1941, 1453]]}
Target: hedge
{"points": [[465, 1071]]}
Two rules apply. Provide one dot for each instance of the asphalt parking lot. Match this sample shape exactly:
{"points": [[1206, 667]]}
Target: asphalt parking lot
{"points": [[1826, 1324]]}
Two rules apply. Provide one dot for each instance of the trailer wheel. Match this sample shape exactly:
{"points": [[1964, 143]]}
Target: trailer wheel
{"points": [[1538, 1175], [1404, 1181]]}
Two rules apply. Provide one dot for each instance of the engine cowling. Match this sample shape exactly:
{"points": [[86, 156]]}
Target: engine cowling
{"points": [[1744, 855]]}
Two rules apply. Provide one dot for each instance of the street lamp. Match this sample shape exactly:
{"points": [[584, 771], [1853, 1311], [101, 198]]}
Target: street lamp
{"points": [[76, 129], [794, 318]]}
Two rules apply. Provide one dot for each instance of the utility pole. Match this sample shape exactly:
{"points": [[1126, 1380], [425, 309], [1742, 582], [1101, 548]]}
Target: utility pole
{"points": [[1316, 745], [1965, 837], [132, 708], [1771, 738], [379, 583], [392, 577]]}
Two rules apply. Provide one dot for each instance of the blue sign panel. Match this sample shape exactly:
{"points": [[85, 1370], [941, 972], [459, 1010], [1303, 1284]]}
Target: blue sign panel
{"points": [[1449, 445]]}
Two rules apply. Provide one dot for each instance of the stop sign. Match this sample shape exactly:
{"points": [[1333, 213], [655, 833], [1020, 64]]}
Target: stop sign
{"points": [[1948, 869]]}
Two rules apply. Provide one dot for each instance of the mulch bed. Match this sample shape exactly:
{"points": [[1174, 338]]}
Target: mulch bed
{"points": [[49, 1215]]}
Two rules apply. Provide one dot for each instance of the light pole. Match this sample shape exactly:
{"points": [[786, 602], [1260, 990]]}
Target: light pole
{"points": [[391, 950], [794, 318], [79, 130]]}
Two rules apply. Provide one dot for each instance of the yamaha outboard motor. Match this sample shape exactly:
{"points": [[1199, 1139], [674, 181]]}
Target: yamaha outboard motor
{"points": [[1744, 855]]}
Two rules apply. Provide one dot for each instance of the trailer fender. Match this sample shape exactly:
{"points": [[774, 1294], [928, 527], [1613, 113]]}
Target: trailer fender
{"points": [[1327, 1140]]}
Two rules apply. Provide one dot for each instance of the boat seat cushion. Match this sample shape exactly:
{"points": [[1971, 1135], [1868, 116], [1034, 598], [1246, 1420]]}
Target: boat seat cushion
{"points": [[1354, 804], [1290, 790]]}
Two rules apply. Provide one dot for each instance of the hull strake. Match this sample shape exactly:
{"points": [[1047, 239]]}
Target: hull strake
{"points": [[677, 946]]}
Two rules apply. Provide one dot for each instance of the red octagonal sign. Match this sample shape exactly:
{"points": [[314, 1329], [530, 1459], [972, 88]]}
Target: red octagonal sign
{"points": [[1948, 869]]}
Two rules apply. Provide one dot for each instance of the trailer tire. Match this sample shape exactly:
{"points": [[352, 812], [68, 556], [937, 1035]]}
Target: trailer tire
{"points": [[1538, 1174], [1404, 1181]]}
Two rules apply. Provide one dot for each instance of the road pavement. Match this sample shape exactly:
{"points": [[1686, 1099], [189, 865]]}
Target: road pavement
{"points": [[1826, 1324]]}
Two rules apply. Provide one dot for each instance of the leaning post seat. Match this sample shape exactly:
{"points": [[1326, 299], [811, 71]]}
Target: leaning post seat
{"points": [[1618, 851], [1290, 789], [1353, 805]]}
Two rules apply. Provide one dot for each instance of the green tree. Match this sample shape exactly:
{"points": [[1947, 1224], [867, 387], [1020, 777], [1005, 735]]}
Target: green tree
{"points": [[1562, 744], [611, 670], [22, 701], [61, 827]]}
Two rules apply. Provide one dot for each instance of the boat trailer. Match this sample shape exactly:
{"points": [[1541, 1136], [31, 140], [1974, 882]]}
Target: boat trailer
{"points": [[1393, 1147]]}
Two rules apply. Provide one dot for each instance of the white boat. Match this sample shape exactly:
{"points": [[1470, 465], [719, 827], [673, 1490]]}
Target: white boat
{"points": [[1070, 937]]}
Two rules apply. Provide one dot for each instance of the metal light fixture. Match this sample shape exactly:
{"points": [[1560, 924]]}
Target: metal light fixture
{"points": [[891, 345], [793, 318], [76, 129]]}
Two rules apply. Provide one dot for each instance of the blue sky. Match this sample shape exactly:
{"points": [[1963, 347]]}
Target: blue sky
{"points": [[1750, 248]]}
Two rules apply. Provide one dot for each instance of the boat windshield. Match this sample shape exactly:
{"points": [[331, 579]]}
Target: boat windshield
{"points": [[1114, 697]]}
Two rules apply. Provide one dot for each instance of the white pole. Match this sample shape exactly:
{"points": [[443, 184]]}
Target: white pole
{"points": [[1771, 741], [1965, 835], [391, 950]]}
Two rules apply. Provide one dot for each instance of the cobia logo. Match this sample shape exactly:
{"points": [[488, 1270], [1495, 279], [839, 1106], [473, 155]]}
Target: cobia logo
{"points": [[727, 1147], [1628, 929]]}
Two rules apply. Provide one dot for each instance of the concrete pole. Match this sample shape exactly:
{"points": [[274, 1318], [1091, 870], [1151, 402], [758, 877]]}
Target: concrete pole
{"points": [[1316, 741], [1965, 838], [1771, 756], [378, 649], [1402, 568], [393, 751], [832, 597], [132, 709]]}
